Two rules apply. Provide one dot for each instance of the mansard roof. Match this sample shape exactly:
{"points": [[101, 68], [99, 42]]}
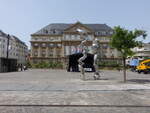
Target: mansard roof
{"points": [[3, 34], [18, 40], [58, 28]]}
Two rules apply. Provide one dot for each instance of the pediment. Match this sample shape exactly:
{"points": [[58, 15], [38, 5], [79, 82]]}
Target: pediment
{"points": [[78, 26]]}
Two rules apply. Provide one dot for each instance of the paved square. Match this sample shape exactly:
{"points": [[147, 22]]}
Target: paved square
{"points": [[53, 91]]}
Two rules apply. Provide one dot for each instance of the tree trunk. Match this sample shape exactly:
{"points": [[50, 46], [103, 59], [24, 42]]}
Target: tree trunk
{"points": [[124, 68]]}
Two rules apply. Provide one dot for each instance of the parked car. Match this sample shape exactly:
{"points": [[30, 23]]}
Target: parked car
{"points": [[144, 66]]}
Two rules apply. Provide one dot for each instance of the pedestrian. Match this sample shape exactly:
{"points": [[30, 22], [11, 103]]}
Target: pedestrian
{"points": [[21, 67]]}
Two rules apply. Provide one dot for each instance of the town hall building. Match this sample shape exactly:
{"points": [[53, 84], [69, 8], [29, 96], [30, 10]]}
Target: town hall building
{"points": [[57, 41]]}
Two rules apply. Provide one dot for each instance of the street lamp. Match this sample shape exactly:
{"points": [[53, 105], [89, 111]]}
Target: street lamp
{"points": [[7, 52]]}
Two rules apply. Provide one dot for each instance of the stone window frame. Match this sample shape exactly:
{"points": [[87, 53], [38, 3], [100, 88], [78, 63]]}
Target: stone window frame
{"points": [[51, 52]]}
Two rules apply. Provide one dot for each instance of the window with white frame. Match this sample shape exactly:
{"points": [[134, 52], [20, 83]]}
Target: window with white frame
{"points": [[78, 37], [36, 44], [58, 52], [51, 52], [35, 53], [58, 45], [103, 32], [43, 44], [51, 45], [67, 37]]}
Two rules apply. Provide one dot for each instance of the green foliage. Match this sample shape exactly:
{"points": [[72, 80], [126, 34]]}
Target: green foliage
{"points": [[124, 40], [108, 64], [145, 58], [48, 65], [28, 64]]}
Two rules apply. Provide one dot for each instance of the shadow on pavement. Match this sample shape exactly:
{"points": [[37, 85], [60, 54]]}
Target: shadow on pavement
{"points": [[140, 81], [98, 79]]}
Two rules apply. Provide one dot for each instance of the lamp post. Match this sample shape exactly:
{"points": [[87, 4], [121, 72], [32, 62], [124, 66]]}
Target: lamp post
{"points": [[7, 51]]}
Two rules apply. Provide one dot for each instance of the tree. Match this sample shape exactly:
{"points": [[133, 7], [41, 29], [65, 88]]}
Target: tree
{"points": [[124, 40]]}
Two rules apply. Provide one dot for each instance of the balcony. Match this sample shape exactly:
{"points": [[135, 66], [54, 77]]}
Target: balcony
{"points": [[36, 45]]}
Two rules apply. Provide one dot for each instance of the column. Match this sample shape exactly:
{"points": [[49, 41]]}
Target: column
{"points": [[54, 51], [63, 51], [32, 51], [47, 52], [39, 51]]}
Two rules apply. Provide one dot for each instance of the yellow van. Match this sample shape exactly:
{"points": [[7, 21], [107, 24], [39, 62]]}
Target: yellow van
{"points": [[144, 66]]}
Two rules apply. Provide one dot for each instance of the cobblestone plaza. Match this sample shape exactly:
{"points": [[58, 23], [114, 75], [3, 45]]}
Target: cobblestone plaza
{"points": [[53, 91]]}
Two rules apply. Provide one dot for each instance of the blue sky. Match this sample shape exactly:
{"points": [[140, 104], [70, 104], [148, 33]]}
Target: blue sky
{"points": [[24, 17]]}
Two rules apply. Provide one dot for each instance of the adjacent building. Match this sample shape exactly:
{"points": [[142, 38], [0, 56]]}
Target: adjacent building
{"points": [[143, 51], [3, 44], [12, 51], [21, 51], [56, 41]]}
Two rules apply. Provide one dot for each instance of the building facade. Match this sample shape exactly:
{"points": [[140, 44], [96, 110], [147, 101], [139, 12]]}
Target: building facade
{"points": [[143, 51], [56, 41], [12, 50], [3, 44], [21, 51]]}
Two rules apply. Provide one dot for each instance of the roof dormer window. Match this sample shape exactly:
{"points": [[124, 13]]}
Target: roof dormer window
{"points": [[103, 32], [54, 31], [111, 32], [45, 31]]}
